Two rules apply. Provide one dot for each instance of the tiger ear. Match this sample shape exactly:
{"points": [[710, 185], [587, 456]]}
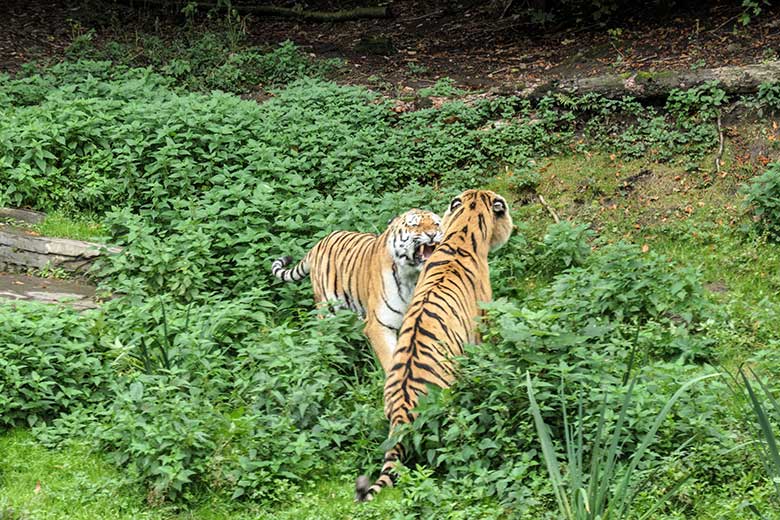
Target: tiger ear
{"points": [[455, 204], [391, 221], [499, 206]]}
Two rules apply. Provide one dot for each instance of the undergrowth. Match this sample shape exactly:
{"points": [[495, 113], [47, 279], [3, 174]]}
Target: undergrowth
{"points": [[208, 377]]}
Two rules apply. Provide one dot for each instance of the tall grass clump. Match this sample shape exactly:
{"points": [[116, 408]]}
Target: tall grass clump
{"points": [[761, 414], [599, 488]]}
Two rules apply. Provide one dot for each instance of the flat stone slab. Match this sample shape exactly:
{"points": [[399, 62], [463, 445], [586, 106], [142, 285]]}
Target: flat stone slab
{"points": [[23, 250], [19, 287], [23, 215]]}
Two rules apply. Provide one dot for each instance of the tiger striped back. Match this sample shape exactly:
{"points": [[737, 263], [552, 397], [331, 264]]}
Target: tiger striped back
{"points": [[441, 316]]}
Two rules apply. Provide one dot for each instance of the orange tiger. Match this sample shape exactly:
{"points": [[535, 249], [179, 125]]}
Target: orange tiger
{"points": [[373, 275], [441, 316]]}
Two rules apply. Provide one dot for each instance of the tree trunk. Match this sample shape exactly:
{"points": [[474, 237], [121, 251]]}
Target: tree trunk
{"points": [[643, 85]]}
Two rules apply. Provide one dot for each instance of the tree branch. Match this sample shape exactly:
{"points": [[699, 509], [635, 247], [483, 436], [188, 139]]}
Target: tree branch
{"points": [[549, 209]]}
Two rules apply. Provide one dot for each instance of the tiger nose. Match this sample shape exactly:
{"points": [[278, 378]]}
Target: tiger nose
{"points": [[432, 236]]}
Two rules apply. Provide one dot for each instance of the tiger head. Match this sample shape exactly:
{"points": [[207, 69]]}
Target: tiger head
{"points": [[412, 238], [486, 211]]}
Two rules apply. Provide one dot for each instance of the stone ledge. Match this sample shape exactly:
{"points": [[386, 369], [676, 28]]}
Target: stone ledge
{"points": [[21, 250], [23, 215]]}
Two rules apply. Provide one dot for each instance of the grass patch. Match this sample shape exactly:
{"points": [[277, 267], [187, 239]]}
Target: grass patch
{"points": [[61, 225], [72, 483], [675, 213], [76, 483], [79, 228]]}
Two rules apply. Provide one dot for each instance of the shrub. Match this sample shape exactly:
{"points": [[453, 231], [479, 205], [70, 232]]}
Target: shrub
{"points": [[165, 428], [564, 245], [762, 195], [768, 96], [207, 60], [621, 283], [700, 103], [216, 394], [482, 424], [51, 362]]}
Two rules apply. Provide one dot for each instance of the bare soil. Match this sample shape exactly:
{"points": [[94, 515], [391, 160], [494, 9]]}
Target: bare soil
{"points": [[19, 287]]}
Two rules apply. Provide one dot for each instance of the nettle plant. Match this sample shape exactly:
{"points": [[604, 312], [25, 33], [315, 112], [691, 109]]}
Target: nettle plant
{"points": [[51, 362], [762, 197]]}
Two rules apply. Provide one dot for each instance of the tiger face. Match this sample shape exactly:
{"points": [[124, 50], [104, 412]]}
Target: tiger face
{"points": [[413, 238]]}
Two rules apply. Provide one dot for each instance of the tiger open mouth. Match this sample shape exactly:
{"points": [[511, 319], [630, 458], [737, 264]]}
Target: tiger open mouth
{"points": [[423, 253]]}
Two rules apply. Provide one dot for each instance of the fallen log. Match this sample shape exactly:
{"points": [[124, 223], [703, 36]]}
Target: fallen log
{"points": [[317, 16], [296, 11], [734, 79]]}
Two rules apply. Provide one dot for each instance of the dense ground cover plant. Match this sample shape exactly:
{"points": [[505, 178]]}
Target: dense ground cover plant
{"points": [[221, 378], [217, 394], [51, 363], [203, 60], [763, 200], [166, 141]]}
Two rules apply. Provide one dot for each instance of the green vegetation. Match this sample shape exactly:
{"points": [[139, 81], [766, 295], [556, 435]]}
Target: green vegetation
{"points": [[766, 411], [200, 59], [51, 364], [69, 483], [215, 392], [576, 13], [763, 196], [60, 225], [599, 492]]}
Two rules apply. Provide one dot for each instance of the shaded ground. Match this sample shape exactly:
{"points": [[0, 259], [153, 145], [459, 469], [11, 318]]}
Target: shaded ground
{"points": [[478, 48], [475, 46], [79, 295]]}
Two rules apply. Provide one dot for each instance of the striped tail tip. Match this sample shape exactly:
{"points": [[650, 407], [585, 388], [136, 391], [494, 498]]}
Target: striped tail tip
{"points": [[362, 489], [279, 264]]}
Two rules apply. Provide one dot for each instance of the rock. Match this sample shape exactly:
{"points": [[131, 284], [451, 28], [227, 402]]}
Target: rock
{"points": [[76, 294], [24, 215], [20, 250]]}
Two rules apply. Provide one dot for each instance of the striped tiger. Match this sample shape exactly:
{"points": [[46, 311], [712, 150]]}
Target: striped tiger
{"points": [[372, 275], [441, 316]]}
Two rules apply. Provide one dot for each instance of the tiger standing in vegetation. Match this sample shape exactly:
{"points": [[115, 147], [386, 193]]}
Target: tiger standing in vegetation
{"points": [[372, 275], [441, 317]]}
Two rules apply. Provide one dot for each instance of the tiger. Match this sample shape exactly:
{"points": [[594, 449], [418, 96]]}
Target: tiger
{"points": [[442, 315], [372, 275]]}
